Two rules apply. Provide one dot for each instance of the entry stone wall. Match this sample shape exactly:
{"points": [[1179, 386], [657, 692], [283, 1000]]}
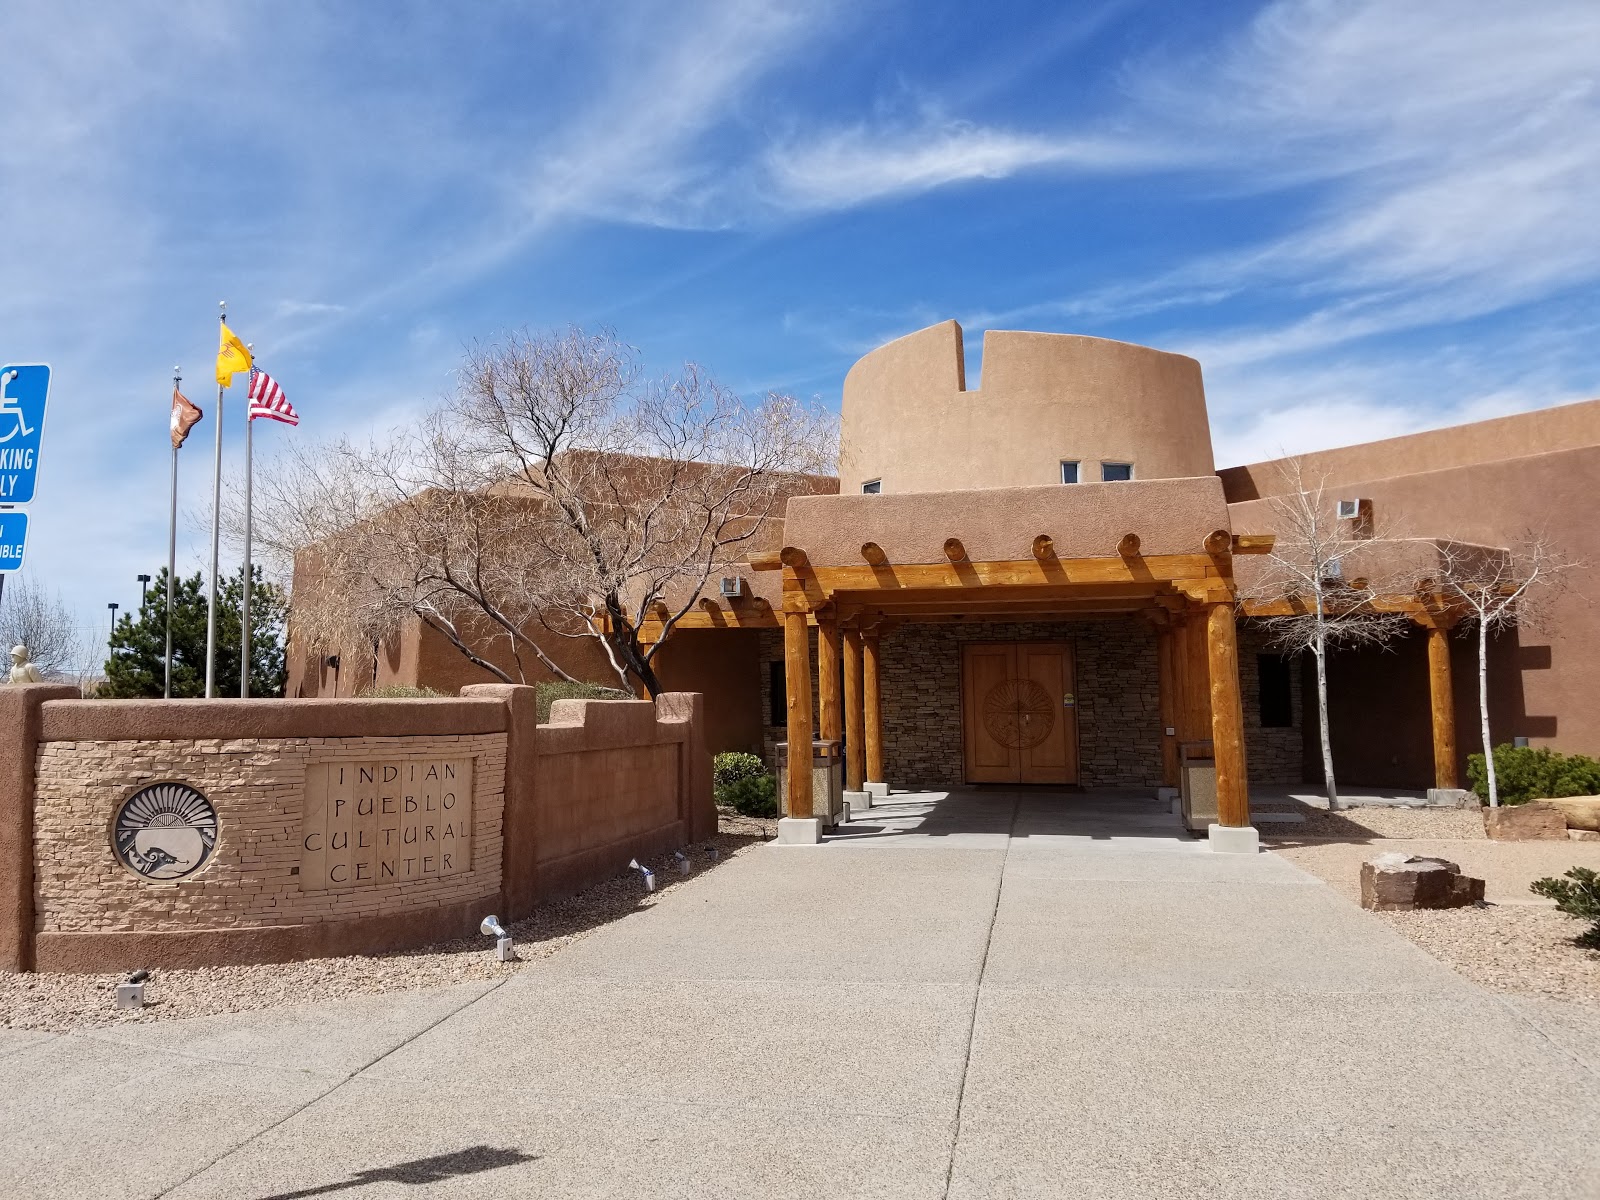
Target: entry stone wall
{"points": [[1118, 692], [1273, 755], [1119, 706]]}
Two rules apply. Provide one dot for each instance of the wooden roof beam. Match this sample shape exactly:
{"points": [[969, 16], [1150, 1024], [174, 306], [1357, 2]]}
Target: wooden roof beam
{"points": [[767, 560], [1044, 548], [954, 550], [1128, 547], [1254, 543], [794, 557], [874, 554], [1219, 541]]}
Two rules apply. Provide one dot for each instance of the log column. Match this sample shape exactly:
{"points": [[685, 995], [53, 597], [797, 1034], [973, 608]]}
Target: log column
{"points": [[872, 717], [1441, 695], [855, 754], [1227, 718], [830, 716], [797, 681]]}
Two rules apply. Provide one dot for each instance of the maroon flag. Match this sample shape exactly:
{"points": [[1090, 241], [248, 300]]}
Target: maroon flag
{"points": [[184, 415]]}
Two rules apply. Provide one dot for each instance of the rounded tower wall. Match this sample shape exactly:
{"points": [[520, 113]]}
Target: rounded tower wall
{"points": [[908, 420]]}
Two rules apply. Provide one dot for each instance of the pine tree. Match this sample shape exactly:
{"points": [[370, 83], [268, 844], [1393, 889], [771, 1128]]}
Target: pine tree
{"points": [[138, 646]]}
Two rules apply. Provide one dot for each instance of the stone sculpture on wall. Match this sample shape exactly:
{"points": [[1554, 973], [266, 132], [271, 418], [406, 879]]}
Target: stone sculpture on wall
{"points": [[23, 671]]}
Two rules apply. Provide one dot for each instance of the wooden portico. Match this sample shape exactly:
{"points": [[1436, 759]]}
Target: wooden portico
{"points": [[1188, 598]]}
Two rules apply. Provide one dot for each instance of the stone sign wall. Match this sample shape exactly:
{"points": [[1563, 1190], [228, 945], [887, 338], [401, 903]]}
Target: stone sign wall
{"points": [[376, 821], [185, 833], [290, 838]]}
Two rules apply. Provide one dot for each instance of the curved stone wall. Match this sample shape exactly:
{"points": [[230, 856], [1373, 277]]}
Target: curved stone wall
{"points": [[909, 421]]}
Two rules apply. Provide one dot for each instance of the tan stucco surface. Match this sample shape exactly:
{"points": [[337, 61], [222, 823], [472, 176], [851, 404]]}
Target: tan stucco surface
{"points": [[1171, 516], [1547, 685], [908, 419], [1545, 431]]}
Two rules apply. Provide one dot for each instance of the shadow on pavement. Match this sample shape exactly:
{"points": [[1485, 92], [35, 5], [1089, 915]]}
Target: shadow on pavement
{"points": [[437, 1169]]}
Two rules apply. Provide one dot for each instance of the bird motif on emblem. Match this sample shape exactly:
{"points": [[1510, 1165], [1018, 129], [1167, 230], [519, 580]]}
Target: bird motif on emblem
{"points": [[165, 831]]}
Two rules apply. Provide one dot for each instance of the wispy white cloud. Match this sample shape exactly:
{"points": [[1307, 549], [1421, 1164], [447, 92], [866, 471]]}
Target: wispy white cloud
{"points": [[862, 163]]}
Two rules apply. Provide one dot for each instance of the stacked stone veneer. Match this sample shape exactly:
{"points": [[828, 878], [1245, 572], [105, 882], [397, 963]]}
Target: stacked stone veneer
{"points": [[1275, 755], [1117, 689], [257, 787], [1118, 692]]}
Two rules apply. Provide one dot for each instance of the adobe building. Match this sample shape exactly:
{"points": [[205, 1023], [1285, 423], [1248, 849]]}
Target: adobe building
{"points": [[1038, 582]]}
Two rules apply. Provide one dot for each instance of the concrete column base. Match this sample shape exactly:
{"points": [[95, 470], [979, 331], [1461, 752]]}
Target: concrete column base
{"points": [[1230, 839], [877, 790], [799, 831], [1450, 798], [859, 802]]}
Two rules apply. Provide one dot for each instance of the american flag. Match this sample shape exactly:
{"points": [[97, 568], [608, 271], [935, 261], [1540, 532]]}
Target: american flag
{"points": [[267, 399]]}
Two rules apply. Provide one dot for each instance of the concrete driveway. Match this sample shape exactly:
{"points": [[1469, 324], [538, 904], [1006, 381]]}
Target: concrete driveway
{"points": [[996, 994]]}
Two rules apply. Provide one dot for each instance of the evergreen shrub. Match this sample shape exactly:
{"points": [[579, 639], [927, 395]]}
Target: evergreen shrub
{"points": [[1525, 773], [1578, 898]]}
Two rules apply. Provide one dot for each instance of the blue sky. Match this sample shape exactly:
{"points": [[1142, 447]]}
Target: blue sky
{"points": [[1363, 218]]}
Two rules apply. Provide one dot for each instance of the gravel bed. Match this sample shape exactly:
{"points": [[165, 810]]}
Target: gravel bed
{"points": [[1518, 943], [1521, 949], [1365, 824], [59, 1002]]}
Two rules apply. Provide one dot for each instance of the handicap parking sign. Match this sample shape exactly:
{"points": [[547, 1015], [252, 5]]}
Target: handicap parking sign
{"points": [[13, 537], [23, 391]]}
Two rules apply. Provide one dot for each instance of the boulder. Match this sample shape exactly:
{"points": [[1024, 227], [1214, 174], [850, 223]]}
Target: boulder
{"points": [[1535, 821], [1583, 835], [1582, 812], [1400, 882]]}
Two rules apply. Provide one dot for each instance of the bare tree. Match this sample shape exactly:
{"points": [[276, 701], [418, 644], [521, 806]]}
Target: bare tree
{"points": [[1310, 582], [556, 495], [1498, 590], [32, 616]]}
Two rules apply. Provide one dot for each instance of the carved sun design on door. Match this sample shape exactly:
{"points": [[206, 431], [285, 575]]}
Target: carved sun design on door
{"points": [[1019, 713]]}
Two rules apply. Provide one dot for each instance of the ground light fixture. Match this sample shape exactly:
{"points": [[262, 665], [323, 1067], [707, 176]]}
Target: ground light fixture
{"points": [[490, 927], [713, 853], [648, 875], [682, 859], [130, 994]]}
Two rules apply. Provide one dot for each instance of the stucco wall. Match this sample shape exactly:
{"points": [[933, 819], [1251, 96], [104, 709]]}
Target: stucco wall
{"points": [[723, 665], [420, 656], [1546, 687], [1545, 431], [616, 780], [908, 419], [1171, 516]]}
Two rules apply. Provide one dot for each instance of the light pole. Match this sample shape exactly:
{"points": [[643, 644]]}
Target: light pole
{"points": [[111, 640], [144, 587]]}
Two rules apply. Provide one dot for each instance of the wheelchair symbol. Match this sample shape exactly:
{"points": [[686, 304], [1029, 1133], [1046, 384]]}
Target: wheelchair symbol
{"points": [[10, 406]]}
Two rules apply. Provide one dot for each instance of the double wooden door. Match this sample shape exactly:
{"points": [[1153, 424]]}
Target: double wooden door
{"points": [[1019, 712]]}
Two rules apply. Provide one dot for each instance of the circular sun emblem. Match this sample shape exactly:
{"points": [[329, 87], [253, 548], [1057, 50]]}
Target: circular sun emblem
{"points": [[165, 831], [1018, 713]]}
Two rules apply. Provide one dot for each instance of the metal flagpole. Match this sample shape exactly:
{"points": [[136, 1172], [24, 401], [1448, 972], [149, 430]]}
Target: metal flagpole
{"points": [[216, 534], [249, 579], [172, 552]]}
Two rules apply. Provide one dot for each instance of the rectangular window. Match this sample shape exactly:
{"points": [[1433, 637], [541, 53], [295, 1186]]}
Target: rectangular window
{"points": [[1116, 472], [1273, 697], [778, 694], [1069, 471], [872, 487]]}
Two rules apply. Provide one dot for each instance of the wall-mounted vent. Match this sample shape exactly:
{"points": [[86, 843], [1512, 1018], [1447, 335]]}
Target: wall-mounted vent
{"points": [[732, 586], [1351, 510]]}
